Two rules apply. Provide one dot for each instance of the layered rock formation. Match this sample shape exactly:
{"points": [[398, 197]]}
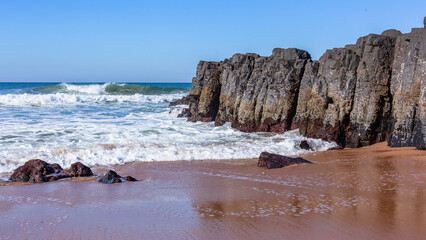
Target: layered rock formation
{"points": [[358, 95], [408, 87], [345, 96], [205, 92], [254, 93]]}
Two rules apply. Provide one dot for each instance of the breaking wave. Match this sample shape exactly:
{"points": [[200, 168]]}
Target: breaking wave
{"points": [[106, 88]]}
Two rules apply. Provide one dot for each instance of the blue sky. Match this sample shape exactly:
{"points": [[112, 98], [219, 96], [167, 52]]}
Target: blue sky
{"points": [[162, 41]]}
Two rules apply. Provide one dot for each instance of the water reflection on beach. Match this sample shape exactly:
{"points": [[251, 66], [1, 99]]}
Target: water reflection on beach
{"points": [[369, 193], [362, 195]]}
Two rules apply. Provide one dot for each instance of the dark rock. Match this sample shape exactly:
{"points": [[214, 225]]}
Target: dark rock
{"points": [[115, 180], [367, 92], [266, 93], [370, 115], [335, 148], [78, 170], [254, 93], [345, 96], [56, 167], [130, 179], [185, 113], [110, 177], [326, 95], [408, 87], [270, 160], [55, 177], [187, 100], [304, 145], [391, 33], [206, 91], [35, 171]]}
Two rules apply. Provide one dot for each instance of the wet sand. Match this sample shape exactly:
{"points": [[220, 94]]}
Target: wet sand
{"points": [[370, 193]]}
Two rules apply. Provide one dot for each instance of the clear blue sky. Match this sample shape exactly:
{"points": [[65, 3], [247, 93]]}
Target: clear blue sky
{"points": [[162, 41]]}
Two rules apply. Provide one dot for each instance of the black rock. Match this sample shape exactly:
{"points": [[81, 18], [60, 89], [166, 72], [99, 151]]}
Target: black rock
{"points": [[304, 145], [270, 160], [130, 179], [78, 170], [110, 177], [35, 171], [183, 101]]}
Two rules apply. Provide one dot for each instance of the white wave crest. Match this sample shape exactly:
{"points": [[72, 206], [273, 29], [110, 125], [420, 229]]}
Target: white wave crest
{"points": [[95, 89], [78, 99]]}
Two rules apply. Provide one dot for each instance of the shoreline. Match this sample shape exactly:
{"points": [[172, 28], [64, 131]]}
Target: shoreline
{"points": [[316, 157], [374, 192]]}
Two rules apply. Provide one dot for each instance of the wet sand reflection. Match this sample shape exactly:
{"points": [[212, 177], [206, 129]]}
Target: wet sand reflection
{"points": [[369, 193], [356, 192]]}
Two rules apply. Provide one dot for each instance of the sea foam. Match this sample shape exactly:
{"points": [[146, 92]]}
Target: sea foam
{"points": [[73, 99], [98, 126]]}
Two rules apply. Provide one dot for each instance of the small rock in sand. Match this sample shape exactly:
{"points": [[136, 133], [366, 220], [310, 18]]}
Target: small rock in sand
{"points": [[270, 160], [112, 177]]}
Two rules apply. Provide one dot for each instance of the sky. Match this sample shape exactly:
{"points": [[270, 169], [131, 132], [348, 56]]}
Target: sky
{"points": [[163, 41]]}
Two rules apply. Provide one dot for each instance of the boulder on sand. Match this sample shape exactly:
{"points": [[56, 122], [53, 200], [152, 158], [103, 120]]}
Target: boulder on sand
{"points": [[35, 171], [78, 169], [130, 179], [112, 177], [270, 160]]}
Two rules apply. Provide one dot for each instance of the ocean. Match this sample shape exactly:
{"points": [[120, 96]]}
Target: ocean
{"points": [[116, 123]]}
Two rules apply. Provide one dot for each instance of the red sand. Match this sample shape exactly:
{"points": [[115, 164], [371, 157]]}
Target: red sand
{"points": [[370, 193]]}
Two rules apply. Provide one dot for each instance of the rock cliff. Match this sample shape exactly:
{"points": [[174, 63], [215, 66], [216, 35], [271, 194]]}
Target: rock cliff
{"points": [[345, 96], [408, 88], [371, 91]]}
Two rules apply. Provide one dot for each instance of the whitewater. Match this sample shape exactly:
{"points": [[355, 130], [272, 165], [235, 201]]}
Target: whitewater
{"points": [[110, 123]]}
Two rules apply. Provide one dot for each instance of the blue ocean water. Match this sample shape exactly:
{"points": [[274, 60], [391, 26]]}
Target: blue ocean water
{"points": [[115, 123]]}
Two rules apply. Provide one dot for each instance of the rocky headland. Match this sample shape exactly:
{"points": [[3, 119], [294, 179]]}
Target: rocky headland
{"points": [[358, 95]]}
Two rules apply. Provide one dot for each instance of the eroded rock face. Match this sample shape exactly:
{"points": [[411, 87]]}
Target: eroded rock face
{"points": [[371, 111], [265, 97], [270, 160], [408, 88], [187, 100], [254, 93], [326, 95], [345, 96], [391, 33], [357, 95], [205, 92]]}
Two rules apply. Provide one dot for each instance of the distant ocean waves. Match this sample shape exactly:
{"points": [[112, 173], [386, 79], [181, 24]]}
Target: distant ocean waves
{"points": [[77, 99], [66, 94], [107, 88]]}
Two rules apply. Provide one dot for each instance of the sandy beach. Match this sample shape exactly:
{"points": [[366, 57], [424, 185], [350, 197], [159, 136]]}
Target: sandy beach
{"points": [[374, 192], [160, 119]]}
